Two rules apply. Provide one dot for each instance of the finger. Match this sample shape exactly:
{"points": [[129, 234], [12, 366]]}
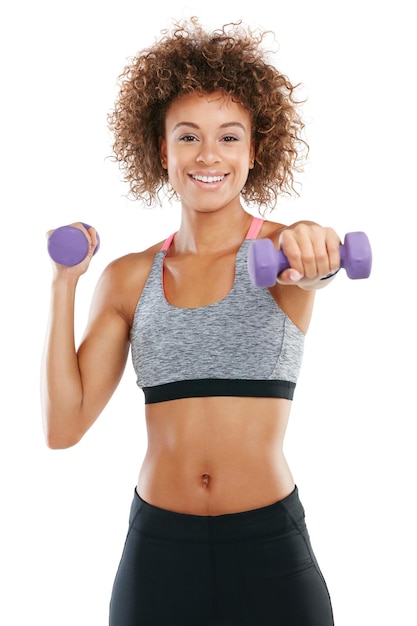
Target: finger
{"points": [[333, 252], [327, 252], [321, 258], [289, 277], [92, 233], [303, 258]]}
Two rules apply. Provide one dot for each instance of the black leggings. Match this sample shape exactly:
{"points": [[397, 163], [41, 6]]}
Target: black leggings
{"points": [[255, 568]]}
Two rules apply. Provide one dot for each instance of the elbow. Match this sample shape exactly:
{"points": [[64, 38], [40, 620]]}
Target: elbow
{"points": [[61, 429], [58, 438], [59, 443]]}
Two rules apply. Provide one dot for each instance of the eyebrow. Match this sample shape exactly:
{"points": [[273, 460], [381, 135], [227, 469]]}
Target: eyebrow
{"points": [[225, 125]]}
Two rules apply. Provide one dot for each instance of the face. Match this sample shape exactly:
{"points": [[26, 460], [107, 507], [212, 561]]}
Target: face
{"points": [[208, 150]]}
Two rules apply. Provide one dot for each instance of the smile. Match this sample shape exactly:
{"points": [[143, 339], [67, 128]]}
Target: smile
{"points": [[208, 179]]}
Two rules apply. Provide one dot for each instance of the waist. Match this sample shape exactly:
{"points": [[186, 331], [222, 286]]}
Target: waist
{"points": [[213, 456]]}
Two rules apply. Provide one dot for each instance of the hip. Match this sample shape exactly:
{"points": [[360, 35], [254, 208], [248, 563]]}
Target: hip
{"points": [[241, 569]]}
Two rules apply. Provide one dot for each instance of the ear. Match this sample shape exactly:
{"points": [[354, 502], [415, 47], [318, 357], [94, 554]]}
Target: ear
{"points": [[163, 152], [252, 156]]}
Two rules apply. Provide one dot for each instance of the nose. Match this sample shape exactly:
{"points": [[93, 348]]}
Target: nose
{"points": [[208, 153]]}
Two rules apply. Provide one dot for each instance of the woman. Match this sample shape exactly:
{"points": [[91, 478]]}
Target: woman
{"points": [[216, 532]]}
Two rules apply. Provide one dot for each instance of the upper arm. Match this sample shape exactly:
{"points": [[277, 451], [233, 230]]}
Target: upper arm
{"points": [[105, 344], [296, 303], [104, 348]]}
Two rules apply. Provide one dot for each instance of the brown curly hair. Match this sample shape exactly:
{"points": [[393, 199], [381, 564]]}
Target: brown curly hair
{"points": [[190, 59]]}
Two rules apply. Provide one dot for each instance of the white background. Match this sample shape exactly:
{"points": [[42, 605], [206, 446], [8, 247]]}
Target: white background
{"points": [[351, 440]]}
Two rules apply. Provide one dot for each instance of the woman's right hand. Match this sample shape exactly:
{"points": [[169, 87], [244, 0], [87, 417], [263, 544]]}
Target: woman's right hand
{"points": [[80, 268]]}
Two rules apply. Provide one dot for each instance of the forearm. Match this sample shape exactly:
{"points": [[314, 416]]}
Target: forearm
{"points": [[62, 390]]}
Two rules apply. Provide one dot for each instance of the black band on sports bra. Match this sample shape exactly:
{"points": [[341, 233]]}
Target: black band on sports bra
{"points": [[198, 388]]}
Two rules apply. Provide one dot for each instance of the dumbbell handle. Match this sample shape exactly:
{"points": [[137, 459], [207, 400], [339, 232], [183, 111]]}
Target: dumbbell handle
{"points": [[265, 262], [69, 245]]}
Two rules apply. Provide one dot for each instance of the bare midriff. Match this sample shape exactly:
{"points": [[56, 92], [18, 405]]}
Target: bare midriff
{"points": [[212, 456]]}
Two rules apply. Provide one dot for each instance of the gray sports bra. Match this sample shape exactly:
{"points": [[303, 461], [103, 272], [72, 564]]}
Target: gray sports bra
{"points": [[243, 345]]}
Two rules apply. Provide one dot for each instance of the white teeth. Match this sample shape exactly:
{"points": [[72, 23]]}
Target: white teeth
{"points": [[208, 179]]}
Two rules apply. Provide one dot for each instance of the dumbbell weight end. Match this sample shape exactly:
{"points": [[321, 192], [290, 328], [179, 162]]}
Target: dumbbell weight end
{"points": [[356, 255], [265, 262], [68, 245]]}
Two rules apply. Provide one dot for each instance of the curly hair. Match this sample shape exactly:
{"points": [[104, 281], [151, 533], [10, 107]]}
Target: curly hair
{"points": [[189, 59]]}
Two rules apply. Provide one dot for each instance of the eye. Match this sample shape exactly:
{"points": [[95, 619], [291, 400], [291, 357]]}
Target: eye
{"points": [[229, 138], [188, 138]]}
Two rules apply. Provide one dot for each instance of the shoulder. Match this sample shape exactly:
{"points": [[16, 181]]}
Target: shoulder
{"points": [[271, 230], [122, 281], [132, 265]]}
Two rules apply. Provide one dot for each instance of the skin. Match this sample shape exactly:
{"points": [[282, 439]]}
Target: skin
{"points": [[205, 456]]}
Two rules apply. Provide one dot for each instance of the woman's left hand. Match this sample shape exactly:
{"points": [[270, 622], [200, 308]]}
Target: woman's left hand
{"points": [[312, 252]]}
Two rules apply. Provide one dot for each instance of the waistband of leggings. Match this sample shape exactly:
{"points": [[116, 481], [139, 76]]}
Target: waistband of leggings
{"points": [[266, 521]]}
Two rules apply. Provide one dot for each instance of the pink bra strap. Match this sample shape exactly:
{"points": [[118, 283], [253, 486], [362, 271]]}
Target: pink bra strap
{"points": [[254, 228], [168, 242]]}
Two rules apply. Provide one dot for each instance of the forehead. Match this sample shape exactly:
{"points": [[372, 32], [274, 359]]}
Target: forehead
{"points": [[215, 107]]}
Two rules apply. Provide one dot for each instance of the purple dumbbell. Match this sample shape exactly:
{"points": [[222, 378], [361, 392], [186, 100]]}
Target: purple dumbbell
{"points": [[265, 262], [68, 245]]}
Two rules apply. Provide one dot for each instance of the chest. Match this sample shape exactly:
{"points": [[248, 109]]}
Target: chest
{"points": [[193, 281]]}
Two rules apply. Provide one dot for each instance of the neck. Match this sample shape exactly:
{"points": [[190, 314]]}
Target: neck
{"points": [[202, 232]]}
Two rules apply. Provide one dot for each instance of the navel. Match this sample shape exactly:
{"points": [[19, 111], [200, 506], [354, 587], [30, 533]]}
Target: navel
{"points": [[205, 479]]}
